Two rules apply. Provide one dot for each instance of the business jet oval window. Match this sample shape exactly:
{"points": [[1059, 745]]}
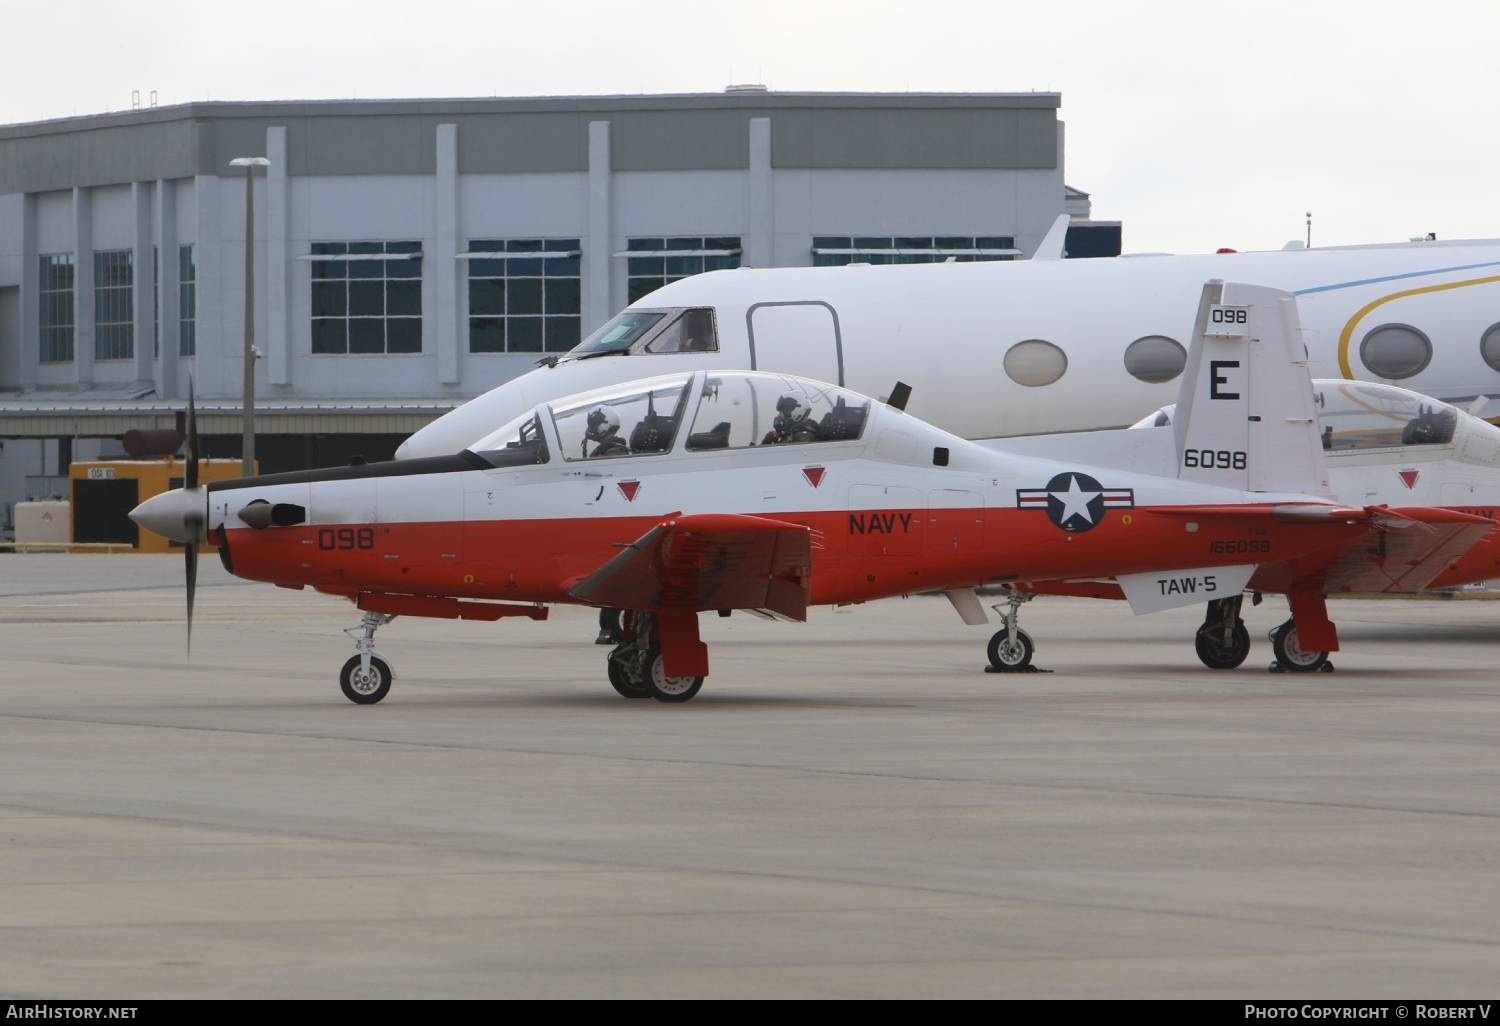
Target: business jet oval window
{"points": [[1489, 347], [1035, 363], [1155, 358], [1396, 351]]}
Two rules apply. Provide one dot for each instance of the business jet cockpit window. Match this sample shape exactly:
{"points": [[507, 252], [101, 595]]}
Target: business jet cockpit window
{"points": [[518, 444], [736, 411], [622, 420], [619, 334], [692, 332]]}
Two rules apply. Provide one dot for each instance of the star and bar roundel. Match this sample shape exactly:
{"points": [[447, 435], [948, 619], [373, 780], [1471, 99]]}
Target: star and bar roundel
{"points": [[1075, 502]]}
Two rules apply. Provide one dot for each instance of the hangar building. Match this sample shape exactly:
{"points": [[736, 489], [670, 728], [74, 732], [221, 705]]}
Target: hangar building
{"points": [[410, 254]]}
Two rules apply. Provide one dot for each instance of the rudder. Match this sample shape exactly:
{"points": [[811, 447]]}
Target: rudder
{"points": [[1245, 417]]}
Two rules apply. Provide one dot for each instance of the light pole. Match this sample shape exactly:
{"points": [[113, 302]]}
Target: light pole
{"points": [[248, 420]]}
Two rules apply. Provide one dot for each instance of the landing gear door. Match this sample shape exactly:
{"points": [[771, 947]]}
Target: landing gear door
{"points": [[796, 338]]}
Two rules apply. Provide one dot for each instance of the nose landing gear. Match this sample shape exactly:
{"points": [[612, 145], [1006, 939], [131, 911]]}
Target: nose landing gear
{"points": [[1010, 649], [367, 677]]}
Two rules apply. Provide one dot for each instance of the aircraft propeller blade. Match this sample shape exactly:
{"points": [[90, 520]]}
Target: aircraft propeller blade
{"points": [[190, 553]]}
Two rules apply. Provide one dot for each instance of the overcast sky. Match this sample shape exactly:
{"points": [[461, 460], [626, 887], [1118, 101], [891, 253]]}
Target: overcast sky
{"points": [[1197, 124]]}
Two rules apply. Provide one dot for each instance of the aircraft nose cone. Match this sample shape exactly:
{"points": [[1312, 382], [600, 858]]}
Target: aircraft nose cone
{"points": [[177, 515]]}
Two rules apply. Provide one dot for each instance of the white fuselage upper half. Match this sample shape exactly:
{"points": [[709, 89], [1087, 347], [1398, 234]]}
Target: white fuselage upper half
{"points": [[956, 333]]}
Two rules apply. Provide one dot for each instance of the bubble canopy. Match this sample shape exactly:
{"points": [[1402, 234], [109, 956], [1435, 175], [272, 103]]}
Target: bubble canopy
{"points": [[1368, 415], [692, 412]]}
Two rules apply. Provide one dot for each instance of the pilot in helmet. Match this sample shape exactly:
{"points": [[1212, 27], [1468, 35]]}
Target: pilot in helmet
{"points": [[793, 423], [604, 430]]}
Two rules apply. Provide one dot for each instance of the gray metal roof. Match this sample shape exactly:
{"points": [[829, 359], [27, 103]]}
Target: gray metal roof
{"points": [[691, 131], [617, 102]]}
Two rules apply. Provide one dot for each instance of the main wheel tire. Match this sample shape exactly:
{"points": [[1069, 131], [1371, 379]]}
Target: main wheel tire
{"points": [[1213, 651], [623, 681], [366, 689], [1290, 653], [664, 688], [1011, 655]]}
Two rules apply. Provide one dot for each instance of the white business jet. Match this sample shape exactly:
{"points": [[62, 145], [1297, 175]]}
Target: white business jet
{"points": [[1018, 348]]}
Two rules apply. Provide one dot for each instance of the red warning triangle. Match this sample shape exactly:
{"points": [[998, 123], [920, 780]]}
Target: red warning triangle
{"points": [[1409, 478], [628, 489], [814, 475]]}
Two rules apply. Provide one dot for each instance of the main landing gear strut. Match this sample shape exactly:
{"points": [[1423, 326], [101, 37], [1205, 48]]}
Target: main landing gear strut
{"points": [[1222, 641], [1291, 657], [366, 678], [637, 668]]}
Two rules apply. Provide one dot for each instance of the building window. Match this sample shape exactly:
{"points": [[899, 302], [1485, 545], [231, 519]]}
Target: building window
{"points": [[114, 304], [187, 300], [837, 250], [656, 262], [56, 302], [366, 297], [524, 295]]}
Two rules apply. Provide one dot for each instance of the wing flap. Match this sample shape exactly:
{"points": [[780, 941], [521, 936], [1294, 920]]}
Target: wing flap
{"points": [[708, 561]]}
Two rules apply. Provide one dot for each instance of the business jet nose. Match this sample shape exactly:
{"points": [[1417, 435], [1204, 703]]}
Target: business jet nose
{"points": [[178, 515]]}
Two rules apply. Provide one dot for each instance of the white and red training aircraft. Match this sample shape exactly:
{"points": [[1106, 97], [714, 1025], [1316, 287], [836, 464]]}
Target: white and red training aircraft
{"points": [[1383, 445], [724, 490]]}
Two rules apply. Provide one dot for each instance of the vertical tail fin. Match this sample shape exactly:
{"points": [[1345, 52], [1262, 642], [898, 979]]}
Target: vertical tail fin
{"points": [[1245, 416]]}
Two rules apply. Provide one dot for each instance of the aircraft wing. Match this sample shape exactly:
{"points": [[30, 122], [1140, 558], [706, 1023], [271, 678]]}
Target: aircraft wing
{"points": [[708, 561]]}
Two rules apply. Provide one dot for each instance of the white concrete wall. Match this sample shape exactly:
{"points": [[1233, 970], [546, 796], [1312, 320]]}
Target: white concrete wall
{"points": [[1021, 204], [114, 217], [54, 222], [522, 206]]}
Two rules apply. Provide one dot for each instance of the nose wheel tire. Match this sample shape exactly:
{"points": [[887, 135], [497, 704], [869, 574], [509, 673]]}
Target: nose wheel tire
{"points": [[1009, 653], [1216, 652], [668, 689], [623, 680], [1291, 655], [364, 688]]}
